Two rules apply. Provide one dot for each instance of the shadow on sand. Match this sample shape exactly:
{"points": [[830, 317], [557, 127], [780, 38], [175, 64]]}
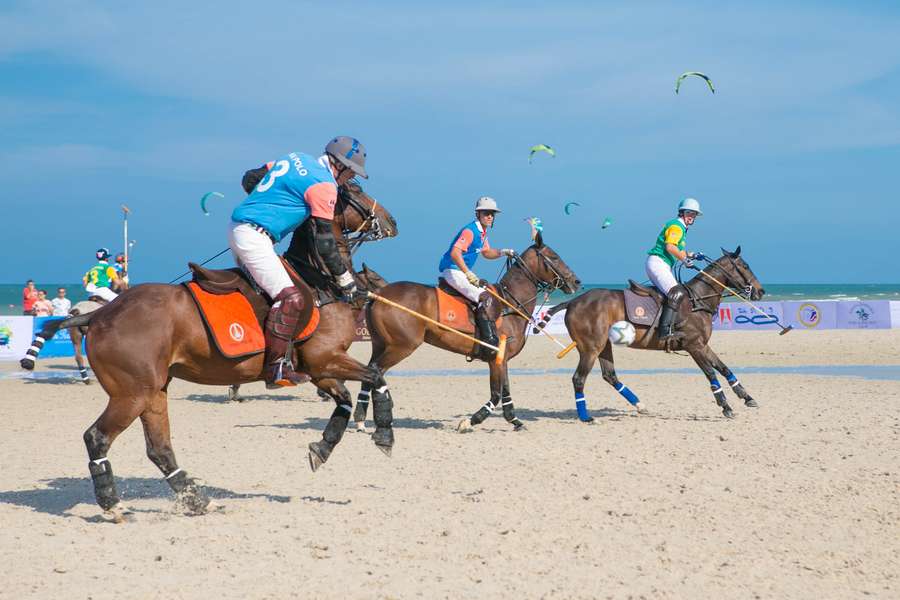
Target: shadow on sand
{"points": [[62, 494]]}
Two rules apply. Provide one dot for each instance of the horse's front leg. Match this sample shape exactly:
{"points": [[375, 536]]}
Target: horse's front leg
{"points": [[337, 424], [731, 377], [496, 380], [509, 411], [699, 356]]}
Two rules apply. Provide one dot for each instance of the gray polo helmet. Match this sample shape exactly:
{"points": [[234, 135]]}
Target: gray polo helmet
{"points": [[486, 203], [349, 152]]}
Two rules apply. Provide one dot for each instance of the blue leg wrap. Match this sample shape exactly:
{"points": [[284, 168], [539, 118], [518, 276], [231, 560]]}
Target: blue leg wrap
{"points": [[714, 386], [627, 394], [732, 378], [581, 407]]}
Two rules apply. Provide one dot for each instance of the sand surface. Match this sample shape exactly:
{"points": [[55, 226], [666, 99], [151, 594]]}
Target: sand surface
{"points": [[799, 498]]}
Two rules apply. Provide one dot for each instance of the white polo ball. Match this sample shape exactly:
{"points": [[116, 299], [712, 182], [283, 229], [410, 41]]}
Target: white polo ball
{"points": [[621, 333]]}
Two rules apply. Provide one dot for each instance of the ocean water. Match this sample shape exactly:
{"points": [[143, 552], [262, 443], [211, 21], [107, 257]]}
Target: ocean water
{"points": [[11, 293]]}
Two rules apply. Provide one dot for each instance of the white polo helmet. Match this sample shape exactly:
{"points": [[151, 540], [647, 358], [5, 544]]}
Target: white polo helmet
{"points": [[486, 203], [690, 204]]}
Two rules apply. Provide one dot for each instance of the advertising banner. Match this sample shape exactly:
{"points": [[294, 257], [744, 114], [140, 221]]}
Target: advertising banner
{"points": [[866, 314], [15, 337], [361, 334], [811, 314], [556, 326], [895, 314], [739, 316], [60, 344]]}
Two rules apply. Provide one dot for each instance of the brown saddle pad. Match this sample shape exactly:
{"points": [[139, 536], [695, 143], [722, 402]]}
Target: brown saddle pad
{"points": [[226, 281], [640, 309]]}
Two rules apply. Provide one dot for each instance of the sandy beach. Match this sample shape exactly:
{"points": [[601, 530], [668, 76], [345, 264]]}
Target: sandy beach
{"points": [[799, 498]]}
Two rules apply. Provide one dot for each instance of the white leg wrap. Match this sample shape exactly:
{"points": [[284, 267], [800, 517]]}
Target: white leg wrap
{"points": [[173, 473]]}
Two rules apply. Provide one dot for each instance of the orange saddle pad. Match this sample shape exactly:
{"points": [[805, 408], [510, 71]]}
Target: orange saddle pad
{"points": [[456, 312], [233, 324]]}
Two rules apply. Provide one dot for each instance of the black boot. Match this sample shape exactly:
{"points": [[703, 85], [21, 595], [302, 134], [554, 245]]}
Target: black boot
{"points": [[485, 323], [670, 309], [282, 326]]}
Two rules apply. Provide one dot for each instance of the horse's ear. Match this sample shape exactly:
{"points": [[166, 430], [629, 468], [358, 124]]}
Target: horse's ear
{"points": [[737, 252], [539, 239], [725, 252]]}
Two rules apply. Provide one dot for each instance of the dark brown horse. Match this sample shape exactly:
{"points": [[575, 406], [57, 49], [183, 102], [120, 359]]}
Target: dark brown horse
{"points": [[590, 315], [153, 333], [396, 335]]}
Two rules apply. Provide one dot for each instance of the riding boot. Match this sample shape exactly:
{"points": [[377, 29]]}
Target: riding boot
{"points": [[670, 310], [282, 326], [485, 322]]}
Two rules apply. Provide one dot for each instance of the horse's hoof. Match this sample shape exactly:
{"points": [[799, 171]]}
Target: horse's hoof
{"points": [[729, 414], [641, 410], [86, 381], [751, 403], [587, 420], [314, 461], [27, 364], [192, 500], [519, 426], [361, 427], [386, 449], [464, 426], [119, 514]]}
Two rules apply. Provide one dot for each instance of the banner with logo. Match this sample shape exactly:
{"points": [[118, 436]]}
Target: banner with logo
{"points": [[895, 314], [15, 337], [739, 316], [811, 314], [361, 333], [60, 344], [869, 314]]}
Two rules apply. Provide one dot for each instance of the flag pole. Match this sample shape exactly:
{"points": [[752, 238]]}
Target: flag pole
{"points": [[125, 211]]}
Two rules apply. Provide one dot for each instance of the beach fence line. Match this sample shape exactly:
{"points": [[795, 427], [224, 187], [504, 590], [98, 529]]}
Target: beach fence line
{"points": [[17, 332]]}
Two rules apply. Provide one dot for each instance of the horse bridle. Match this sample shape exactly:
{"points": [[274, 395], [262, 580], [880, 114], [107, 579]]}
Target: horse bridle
{"points": [[540, 286], [745, 293], [370, 223]]}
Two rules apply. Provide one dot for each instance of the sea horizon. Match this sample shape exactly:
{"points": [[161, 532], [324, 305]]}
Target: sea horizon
{"points": [[11, 293]]}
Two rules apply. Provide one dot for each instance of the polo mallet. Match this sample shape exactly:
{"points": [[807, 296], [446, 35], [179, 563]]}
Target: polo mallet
{"points": [[523, 315], [567, 349], [784, 329], [500, 350]]}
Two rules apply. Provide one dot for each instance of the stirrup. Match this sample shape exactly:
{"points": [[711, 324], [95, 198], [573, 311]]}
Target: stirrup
{"points": [[281, 374]]}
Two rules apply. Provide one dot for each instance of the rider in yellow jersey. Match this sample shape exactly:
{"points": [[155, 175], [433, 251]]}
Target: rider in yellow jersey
{"points": [[670, 246]]}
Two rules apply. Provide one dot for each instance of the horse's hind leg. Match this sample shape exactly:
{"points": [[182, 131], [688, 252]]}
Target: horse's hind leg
{"points": [[609, 376], [700, 357], [155, 420], [49, 330], [731, 378], [119, 414], [337, 424], [76, 335], [362, 406], [586, 358], [509, 411]]}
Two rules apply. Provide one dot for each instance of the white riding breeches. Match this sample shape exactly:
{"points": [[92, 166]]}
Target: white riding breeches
{"points": [[255, 252], [457, 280], [104, 292], [660, 273]]}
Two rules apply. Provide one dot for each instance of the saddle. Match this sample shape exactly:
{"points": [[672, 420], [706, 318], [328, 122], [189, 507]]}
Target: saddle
{"points": [[235, 311], [455, 310], [642, 304]]}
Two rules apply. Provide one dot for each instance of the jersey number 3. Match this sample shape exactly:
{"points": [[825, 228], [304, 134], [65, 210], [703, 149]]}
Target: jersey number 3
{"points": [[279, 169]]}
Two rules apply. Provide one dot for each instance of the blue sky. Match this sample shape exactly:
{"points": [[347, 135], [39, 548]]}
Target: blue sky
{"points": [[153, 104]]}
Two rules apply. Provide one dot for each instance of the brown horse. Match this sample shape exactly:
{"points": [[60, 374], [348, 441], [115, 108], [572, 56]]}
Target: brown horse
{"points": [[590, 315], [396, 334], [154, 333]]}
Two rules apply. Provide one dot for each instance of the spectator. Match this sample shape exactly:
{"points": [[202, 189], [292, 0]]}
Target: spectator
{"points": [[61, 304], [29, 297], [42, 307]]}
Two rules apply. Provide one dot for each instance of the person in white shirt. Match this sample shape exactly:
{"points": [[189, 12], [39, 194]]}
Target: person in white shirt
{"points": [[61, 304]]}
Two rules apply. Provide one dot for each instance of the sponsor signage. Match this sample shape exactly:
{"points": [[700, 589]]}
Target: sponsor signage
{"points": [[811, 314], [15, 337], [864, 314], [739, 316]]}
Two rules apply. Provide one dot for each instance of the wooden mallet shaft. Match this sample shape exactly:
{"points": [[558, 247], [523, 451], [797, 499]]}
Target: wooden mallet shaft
{"points": [[523, 315]]}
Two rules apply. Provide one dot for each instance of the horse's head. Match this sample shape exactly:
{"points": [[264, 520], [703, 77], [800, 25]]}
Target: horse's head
{"points": [[358, 213], [738, 274], [545, 265]]}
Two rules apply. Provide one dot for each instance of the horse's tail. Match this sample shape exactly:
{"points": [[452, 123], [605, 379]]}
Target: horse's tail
{"points": [[539, 326], [49, 330]]}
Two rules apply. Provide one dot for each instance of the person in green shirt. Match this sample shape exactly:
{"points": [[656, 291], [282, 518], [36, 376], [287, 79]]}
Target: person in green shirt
{"points": [[98, 281], [670, 246]]}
